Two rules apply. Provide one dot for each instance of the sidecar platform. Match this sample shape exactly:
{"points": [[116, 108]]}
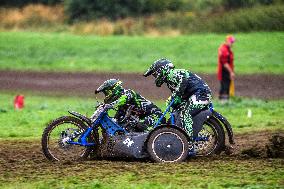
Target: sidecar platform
{"points": [[131, 145]]}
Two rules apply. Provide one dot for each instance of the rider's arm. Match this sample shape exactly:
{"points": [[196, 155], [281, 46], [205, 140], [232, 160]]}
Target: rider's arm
{"points": [[122, 100], [178, 91]]}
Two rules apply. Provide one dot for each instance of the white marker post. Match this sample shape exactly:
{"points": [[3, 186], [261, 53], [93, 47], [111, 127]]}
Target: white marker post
{"points": [[249, 113]]}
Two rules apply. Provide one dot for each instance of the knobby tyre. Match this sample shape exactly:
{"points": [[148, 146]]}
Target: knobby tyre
{"points": [[213, 130], [54, 145]]}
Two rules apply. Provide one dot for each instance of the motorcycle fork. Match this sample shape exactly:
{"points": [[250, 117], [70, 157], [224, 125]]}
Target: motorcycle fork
{"points": [[82, 141]]}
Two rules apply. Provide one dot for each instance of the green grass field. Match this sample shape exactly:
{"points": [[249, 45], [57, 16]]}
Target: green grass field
{"points": [[40, 110], [254, 52]]}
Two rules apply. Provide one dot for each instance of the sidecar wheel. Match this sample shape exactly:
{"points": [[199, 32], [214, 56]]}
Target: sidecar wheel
{"points": [[167, 145]]}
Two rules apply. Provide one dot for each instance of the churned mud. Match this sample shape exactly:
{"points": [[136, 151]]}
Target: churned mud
{"points": [[271, 148]]}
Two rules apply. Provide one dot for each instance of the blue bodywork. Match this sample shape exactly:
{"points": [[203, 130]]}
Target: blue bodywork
{"points": [[111, 127], [108, 124]]}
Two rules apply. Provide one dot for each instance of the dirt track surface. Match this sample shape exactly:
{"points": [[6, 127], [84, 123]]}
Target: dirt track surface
{"points": [[23, 160], [84, 84]]}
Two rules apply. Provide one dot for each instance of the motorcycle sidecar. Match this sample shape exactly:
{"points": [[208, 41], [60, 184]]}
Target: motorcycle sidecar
{"points": [[163, 144]]}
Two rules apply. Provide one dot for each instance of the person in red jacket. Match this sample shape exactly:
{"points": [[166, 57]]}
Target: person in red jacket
{"points": [[226, 72]]}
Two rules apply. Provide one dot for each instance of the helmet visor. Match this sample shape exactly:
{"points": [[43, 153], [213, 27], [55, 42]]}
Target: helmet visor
{"points": [[148, 72]]}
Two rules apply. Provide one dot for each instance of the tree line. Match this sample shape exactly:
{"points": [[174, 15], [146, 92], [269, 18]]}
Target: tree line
{"points": [[117, 9]]}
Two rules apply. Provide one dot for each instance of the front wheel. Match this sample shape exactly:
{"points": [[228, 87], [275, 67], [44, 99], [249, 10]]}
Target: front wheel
{"points": [[167, 145], [210, 140], [56, 138]]}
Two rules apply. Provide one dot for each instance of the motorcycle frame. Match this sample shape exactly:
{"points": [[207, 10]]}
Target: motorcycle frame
{"points": [[111, 127], [172, 120]]}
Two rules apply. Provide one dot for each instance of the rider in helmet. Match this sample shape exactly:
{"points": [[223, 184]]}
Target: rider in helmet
{"points": [[121, 99], [189, 91]]}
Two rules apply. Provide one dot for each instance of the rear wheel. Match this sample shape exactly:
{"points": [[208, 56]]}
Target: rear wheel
{"points": [[210, 140], [167, 145], [58, 134]]}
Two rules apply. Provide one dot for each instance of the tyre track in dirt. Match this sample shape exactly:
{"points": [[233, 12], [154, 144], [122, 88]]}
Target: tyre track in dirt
{"points": [[263, 86], [23, 159]]}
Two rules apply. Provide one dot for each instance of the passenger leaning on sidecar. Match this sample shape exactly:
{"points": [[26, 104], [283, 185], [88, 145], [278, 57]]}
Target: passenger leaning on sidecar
{"points": [[189, 91], [125, 99]]}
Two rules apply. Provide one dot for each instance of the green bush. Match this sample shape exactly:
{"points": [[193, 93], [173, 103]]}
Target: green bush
{"points": [[265, 18], [115, 9], [260, 18], [20, 3], [247, 3]]}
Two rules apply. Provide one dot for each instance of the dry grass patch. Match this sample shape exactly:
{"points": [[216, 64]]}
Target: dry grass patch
{"points": [[31, 16]]}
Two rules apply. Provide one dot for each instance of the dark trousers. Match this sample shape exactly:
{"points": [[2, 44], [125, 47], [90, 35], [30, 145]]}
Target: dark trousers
{"points": [[224, 89]]}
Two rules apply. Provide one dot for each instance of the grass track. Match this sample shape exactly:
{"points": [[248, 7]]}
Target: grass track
{"points": [[218, 173], [254, 52], [40, 110]]}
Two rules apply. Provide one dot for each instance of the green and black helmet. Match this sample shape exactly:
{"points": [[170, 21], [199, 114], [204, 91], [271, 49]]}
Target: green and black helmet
{"points": [[159, 69], [112, 90]]}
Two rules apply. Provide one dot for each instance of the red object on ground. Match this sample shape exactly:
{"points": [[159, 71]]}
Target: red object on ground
{"points": [[19, 102], [225, 55]]}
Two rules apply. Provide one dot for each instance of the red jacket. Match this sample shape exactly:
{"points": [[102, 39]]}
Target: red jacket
{"points": [[225, 55]]}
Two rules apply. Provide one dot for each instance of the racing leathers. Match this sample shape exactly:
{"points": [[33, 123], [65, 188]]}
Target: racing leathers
{"points": [[190, 94], [141, 108]]}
